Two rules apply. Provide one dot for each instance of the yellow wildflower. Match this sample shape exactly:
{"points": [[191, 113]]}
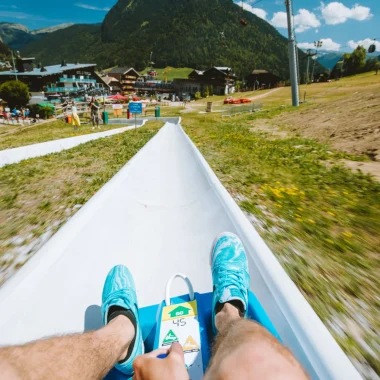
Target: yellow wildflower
{"points": [[311, 221], [330, 213]]}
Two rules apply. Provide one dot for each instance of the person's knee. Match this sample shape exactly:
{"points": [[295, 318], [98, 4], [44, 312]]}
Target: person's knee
{"points": [[246, 350], [8, 372]]}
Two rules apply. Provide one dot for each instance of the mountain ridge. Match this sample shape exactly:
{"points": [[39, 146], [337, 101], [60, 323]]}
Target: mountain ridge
{"points": [[180, 33], [17, 35]]}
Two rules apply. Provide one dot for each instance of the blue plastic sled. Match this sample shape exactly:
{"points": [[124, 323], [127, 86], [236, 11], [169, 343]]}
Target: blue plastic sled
{"points": [[150, 316]]}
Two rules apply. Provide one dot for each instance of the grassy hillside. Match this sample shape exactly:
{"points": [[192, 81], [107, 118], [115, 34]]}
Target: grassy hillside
{"points": [[182, 72]]}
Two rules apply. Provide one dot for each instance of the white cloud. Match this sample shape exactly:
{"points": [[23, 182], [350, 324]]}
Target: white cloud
{"points": [[366, 42], [20, 15], [337, 13], [303, 20], [257, 11], [86, 6], [327, 44], [279, 20]]}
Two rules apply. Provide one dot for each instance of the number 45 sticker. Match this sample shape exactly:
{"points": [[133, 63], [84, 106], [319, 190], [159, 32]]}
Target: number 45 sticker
{"points": [[180, 322]]}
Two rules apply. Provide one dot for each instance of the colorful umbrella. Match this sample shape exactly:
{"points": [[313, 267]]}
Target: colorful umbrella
{"points": [[118, 97]]}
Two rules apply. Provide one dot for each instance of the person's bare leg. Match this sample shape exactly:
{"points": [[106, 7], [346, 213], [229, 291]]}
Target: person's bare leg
{"points": [[246, 350], [80, 356]]}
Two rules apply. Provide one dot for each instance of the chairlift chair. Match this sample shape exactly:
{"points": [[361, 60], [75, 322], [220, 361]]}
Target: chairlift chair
{"points": [[372, 47], [242, 21]]}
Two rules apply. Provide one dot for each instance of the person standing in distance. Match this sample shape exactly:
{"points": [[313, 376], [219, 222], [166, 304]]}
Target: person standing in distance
{"points": [[94, 106]]}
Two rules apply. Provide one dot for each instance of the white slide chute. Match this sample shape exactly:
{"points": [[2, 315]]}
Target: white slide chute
{"points": [[158, 216]]}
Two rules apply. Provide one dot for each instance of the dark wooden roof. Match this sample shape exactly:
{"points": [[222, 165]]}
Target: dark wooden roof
{"points": [[122, 70]]}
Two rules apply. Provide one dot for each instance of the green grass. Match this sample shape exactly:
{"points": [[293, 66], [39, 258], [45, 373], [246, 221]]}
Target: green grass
{"points": [[174, 73], [5, 128], [54, 130], [321, 221], [41, 193], [324, 92]]}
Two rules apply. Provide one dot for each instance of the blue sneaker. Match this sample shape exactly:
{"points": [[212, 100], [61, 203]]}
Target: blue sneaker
{"points": [[119, 298], [230, 275]]}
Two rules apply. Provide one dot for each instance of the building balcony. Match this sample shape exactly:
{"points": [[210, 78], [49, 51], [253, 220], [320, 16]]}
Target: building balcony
{"points": [[61, 89], [76, 80], [148, 85]]}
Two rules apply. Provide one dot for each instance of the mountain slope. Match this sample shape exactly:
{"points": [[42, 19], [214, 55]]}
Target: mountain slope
{"points": [[188, 33], [180, 33], [4, 50], [329, 60], [77, 42], [16, 36], [52, 29]]}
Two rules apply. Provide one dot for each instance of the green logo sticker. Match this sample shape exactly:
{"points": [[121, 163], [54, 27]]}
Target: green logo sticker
{"points": [[170, 338], [180, 311]]}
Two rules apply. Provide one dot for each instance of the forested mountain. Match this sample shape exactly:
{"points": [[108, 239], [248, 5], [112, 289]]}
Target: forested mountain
{"points": [[16, 36], [78, 42], [180, 33]]}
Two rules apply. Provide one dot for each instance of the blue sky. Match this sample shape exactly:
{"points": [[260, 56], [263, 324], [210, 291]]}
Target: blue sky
{"points": [[341, 24]]}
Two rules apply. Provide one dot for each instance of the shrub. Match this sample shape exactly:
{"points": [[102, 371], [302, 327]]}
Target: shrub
{"points": [[197, 95], [43, 111], [15, 93]]}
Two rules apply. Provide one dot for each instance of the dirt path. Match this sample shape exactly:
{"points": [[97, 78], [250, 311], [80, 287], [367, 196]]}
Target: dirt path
{"points": [[197, 107], [351, 124], [19, 128], [257, 97], [372, 168]]}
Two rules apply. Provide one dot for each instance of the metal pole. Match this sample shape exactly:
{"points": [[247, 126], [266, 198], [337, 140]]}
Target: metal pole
{"points": [[307, 67], [317, 44], [298, 69], [14, 66], [312, 74], [292, 56], [307, 73]]}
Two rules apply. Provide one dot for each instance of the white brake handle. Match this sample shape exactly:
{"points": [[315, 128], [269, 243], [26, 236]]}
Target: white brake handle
{"points": [[169, 284]]}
